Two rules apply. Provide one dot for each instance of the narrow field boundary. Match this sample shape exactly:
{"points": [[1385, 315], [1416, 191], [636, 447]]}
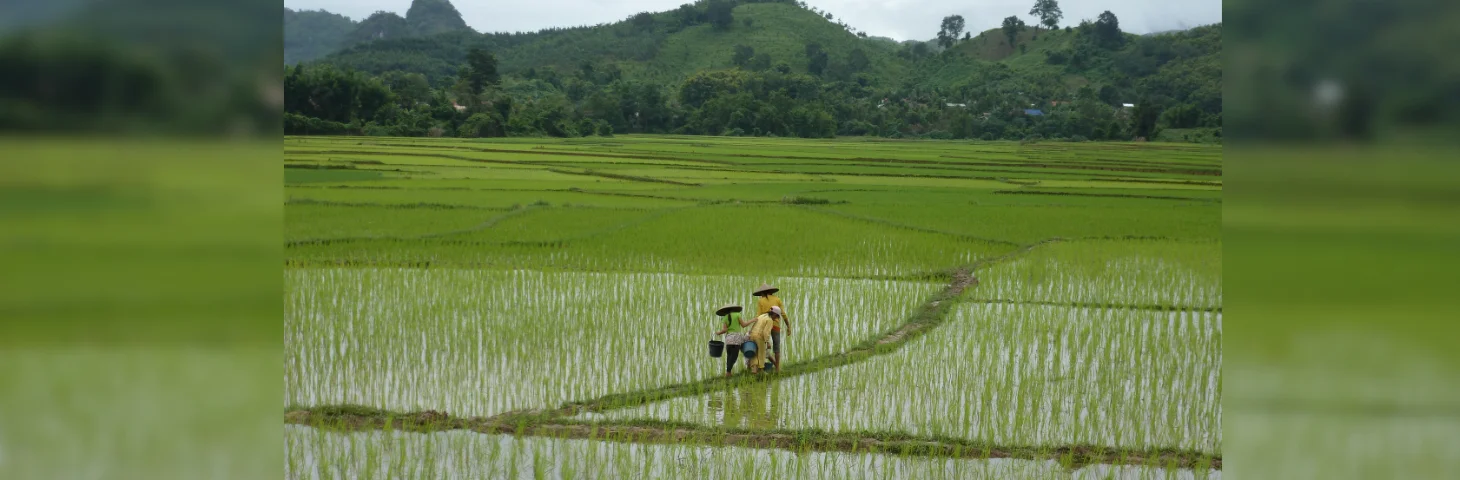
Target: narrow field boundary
{"points": [[352, 418], [928, 315], [1109, 195], [889, 223], [703, 201], [924, 277], [1174, 170], [630, 178], [571, 152], [420, 205], [932, 313], [440, 237], [558, 242], [488, 223], [1111, 306]]}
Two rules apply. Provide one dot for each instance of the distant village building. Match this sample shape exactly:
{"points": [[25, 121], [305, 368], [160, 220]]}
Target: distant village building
{"points": [[459, 108], [959, 105], [1034, 112], [1127, 105]]}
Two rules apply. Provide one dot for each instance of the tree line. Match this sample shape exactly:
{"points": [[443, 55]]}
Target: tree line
{"points": [[596, 100], [1174, 81]]}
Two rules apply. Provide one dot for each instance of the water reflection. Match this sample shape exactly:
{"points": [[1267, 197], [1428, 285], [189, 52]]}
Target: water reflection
{"points": [[755, 406]]}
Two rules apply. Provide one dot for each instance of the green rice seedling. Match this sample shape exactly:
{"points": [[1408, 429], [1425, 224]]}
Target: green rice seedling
{"points": [[722, 240], [1143, 273], [482, 342], [310, 221], [1109, 337], [473, 198], [1001, 368], [1073, 218]]}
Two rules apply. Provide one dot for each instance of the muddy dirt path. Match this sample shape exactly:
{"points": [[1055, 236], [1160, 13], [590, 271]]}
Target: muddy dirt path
{"points": [[1071, 456]]}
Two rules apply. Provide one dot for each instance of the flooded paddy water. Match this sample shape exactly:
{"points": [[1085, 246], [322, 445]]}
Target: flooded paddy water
{"points": [[478, 343], [317, 454], [927, 310], [1007, 375]]}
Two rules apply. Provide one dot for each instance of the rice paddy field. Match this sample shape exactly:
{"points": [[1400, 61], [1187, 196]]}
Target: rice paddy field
{"points": [[540, 308]]}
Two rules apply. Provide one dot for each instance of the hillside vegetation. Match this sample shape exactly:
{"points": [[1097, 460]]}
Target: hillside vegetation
{"points": [[312, 34], [770, 68], [309, 35]]}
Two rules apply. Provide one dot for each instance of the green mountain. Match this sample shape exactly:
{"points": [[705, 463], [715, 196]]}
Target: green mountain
{"points": [[669, 47], [430, 17], [312, 34], [778, 67], [1181, 66], [654, 47], [309, 35], [379, 26]]}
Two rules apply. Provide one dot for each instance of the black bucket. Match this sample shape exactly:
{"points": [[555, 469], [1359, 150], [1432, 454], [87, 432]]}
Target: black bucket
{"points": [[717, 348]]}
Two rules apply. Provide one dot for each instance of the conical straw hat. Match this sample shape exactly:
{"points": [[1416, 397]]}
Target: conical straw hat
{"points": [[765, 288], [729, 307]]}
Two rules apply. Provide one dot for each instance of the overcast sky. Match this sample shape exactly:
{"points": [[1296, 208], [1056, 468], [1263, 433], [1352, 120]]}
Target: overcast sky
{"points": [[899, 19]]}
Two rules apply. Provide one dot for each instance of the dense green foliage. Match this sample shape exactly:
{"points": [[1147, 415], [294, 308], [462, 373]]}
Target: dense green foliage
{"points": [[430, 17], [1360, 70], [312, 34], [309, 35], [102, 66], [741, 68]]}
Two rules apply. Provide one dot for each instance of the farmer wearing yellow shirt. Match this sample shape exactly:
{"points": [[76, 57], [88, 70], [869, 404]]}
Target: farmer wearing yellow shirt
{"points": [[767, 300], [760, 335]]}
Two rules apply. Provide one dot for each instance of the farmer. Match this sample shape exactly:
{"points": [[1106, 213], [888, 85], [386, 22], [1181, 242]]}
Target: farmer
{"points": [[732, 329], [765, 303], [760, 335]]}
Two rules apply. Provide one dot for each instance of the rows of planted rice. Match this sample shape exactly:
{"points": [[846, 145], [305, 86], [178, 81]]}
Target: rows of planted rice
{"points": [[557, 224], [1025, 224], [567, 183], [308, 221], [1148, 190], [295, 176], [316, 454], [546, 271], [1007, 375], [773, 161], [721, 239], [477, 342], [531, 224], [1111, 272], [505, 198]]}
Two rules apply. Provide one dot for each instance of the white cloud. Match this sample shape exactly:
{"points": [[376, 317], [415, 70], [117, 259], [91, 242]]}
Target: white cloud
{"points": [[899, 19]]}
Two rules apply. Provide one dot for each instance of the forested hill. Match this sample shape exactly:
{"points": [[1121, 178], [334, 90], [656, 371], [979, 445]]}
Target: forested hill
{"points": [[750, 43], [309, 35], [667, 47]]}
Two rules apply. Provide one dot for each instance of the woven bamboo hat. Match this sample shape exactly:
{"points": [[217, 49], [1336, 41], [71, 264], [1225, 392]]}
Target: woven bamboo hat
{"points": [[765, 289], [729, 307]]}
